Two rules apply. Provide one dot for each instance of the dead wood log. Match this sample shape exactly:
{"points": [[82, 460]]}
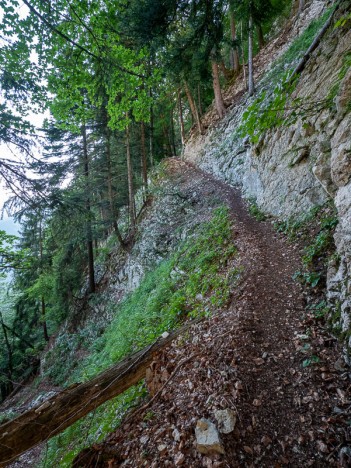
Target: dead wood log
{"points": [[62, 410], [301, 65]]}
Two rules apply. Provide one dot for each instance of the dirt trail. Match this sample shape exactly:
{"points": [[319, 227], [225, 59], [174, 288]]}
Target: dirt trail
{"points": [[247, 358]]}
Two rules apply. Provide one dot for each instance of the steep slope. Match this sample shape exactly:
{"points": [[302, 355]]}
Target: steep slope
{"points": [[291, 168], [172, 270], [248, 359], [262, 355]]}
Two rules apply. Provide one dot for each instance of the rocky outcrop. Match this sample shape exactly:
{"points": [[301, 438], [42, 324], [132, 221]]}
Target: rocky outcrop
{"points": [[293, 169], [177, 208]]}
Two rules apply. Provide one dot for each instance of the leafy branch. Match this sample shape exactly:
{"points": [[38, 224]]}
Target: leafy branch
{"points": [[12, 257], [268, 112]]}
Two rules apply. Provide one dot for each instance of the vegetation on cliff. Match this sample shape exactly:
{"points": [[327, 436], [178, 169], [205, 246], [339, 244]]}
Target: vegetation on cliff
{"points": [[122, 87]]}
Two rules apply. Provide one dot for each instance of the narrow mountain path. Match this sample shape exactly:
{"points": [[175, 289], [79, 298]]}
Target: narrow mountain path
{"points": [[247, 358]]}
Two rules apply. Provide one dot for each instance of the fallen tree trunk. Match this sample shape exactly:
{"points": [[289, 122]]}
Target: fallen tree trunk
{"points": [[301, 65], [62, 410]]}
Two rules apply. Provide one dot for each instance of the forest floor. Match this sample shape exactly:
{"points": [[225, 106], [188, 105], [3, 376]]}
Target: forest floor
{"points": [[266, 357]]}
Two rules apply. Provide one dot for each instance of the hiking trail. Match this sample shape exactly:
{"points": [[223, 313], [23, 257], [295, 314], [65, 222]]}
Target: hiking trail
{"points": [[247, 358]]}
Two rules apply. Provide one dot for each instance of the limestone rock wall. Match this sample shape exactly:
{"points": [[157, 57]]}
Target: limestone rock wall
{"points": [[290, 170], [177, 207]]}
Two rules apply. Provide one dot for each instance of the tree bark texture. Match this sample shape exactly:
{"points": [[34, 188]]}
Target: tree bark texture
{"points": [[132, 211], [225, 71], [60, 411], [301, 65], [172, 134], [143, 156], [43, 305], [217, 90], [234, 54], [251, 77], [243, 58], [199, 100], [90, 247], [111, 193], [193, 108], [260, 35], [151, 136], [181, 119], [43, 314]]}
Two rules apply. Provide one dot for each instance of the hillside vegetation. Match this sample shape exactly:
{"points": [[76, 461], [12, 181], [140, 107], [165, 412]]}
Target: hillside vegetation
{"points": [[162, 115]]}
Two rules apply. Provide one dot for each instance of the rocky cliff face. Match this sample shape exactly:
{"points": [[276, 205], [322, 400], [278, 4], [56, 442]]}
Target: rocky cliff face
{"points": [[295, 168], [176, 208]]}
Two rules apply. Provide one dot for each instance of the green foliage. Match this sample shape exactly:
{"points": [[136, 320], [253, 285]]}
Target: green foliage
{"points": [[320, 310], [321, 244], [310, 278], [300, 45], [311, 360], [62, 449], [191, 283], [342, 22], [255, 211], [295, 228], [274, 106], [42, 287], [188, 284], [269, 110], [319, 225], [335, 89], [11, 256]]}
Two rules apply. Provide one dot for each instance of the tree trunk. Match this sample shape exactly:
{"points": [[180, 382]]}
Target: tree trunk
{"points": [[226, 73], [301, 65], [43, 314], [17, 335], [111, 193], [131, 200], [171, 135], [9, 384], [261, 41], [193, 107], [166, 139], [90, 248], [181, 119], [60, 411], [234, 54], [143, 158], [199, 101], [217, 90], [243, 58], [151, 137], [250, 53], [43, 307]]}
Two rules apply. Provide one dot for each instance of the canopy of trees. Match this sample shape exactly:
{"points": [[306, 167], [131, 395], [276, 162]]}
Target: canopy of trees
{"points": [[123, 83]]}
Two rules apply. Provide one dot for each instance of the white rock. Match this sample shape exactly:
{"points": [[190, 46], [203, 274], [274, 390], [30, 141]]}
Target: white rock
{"points": [[207, 438], [226, 420], [176, 435], [144, 439]]}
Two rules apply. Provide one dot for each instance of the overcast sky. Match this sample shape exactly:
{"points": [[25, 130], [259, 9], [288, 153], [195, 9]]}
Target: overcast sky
{"points": [[35, 119], [7, 223], [9, 226]]}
